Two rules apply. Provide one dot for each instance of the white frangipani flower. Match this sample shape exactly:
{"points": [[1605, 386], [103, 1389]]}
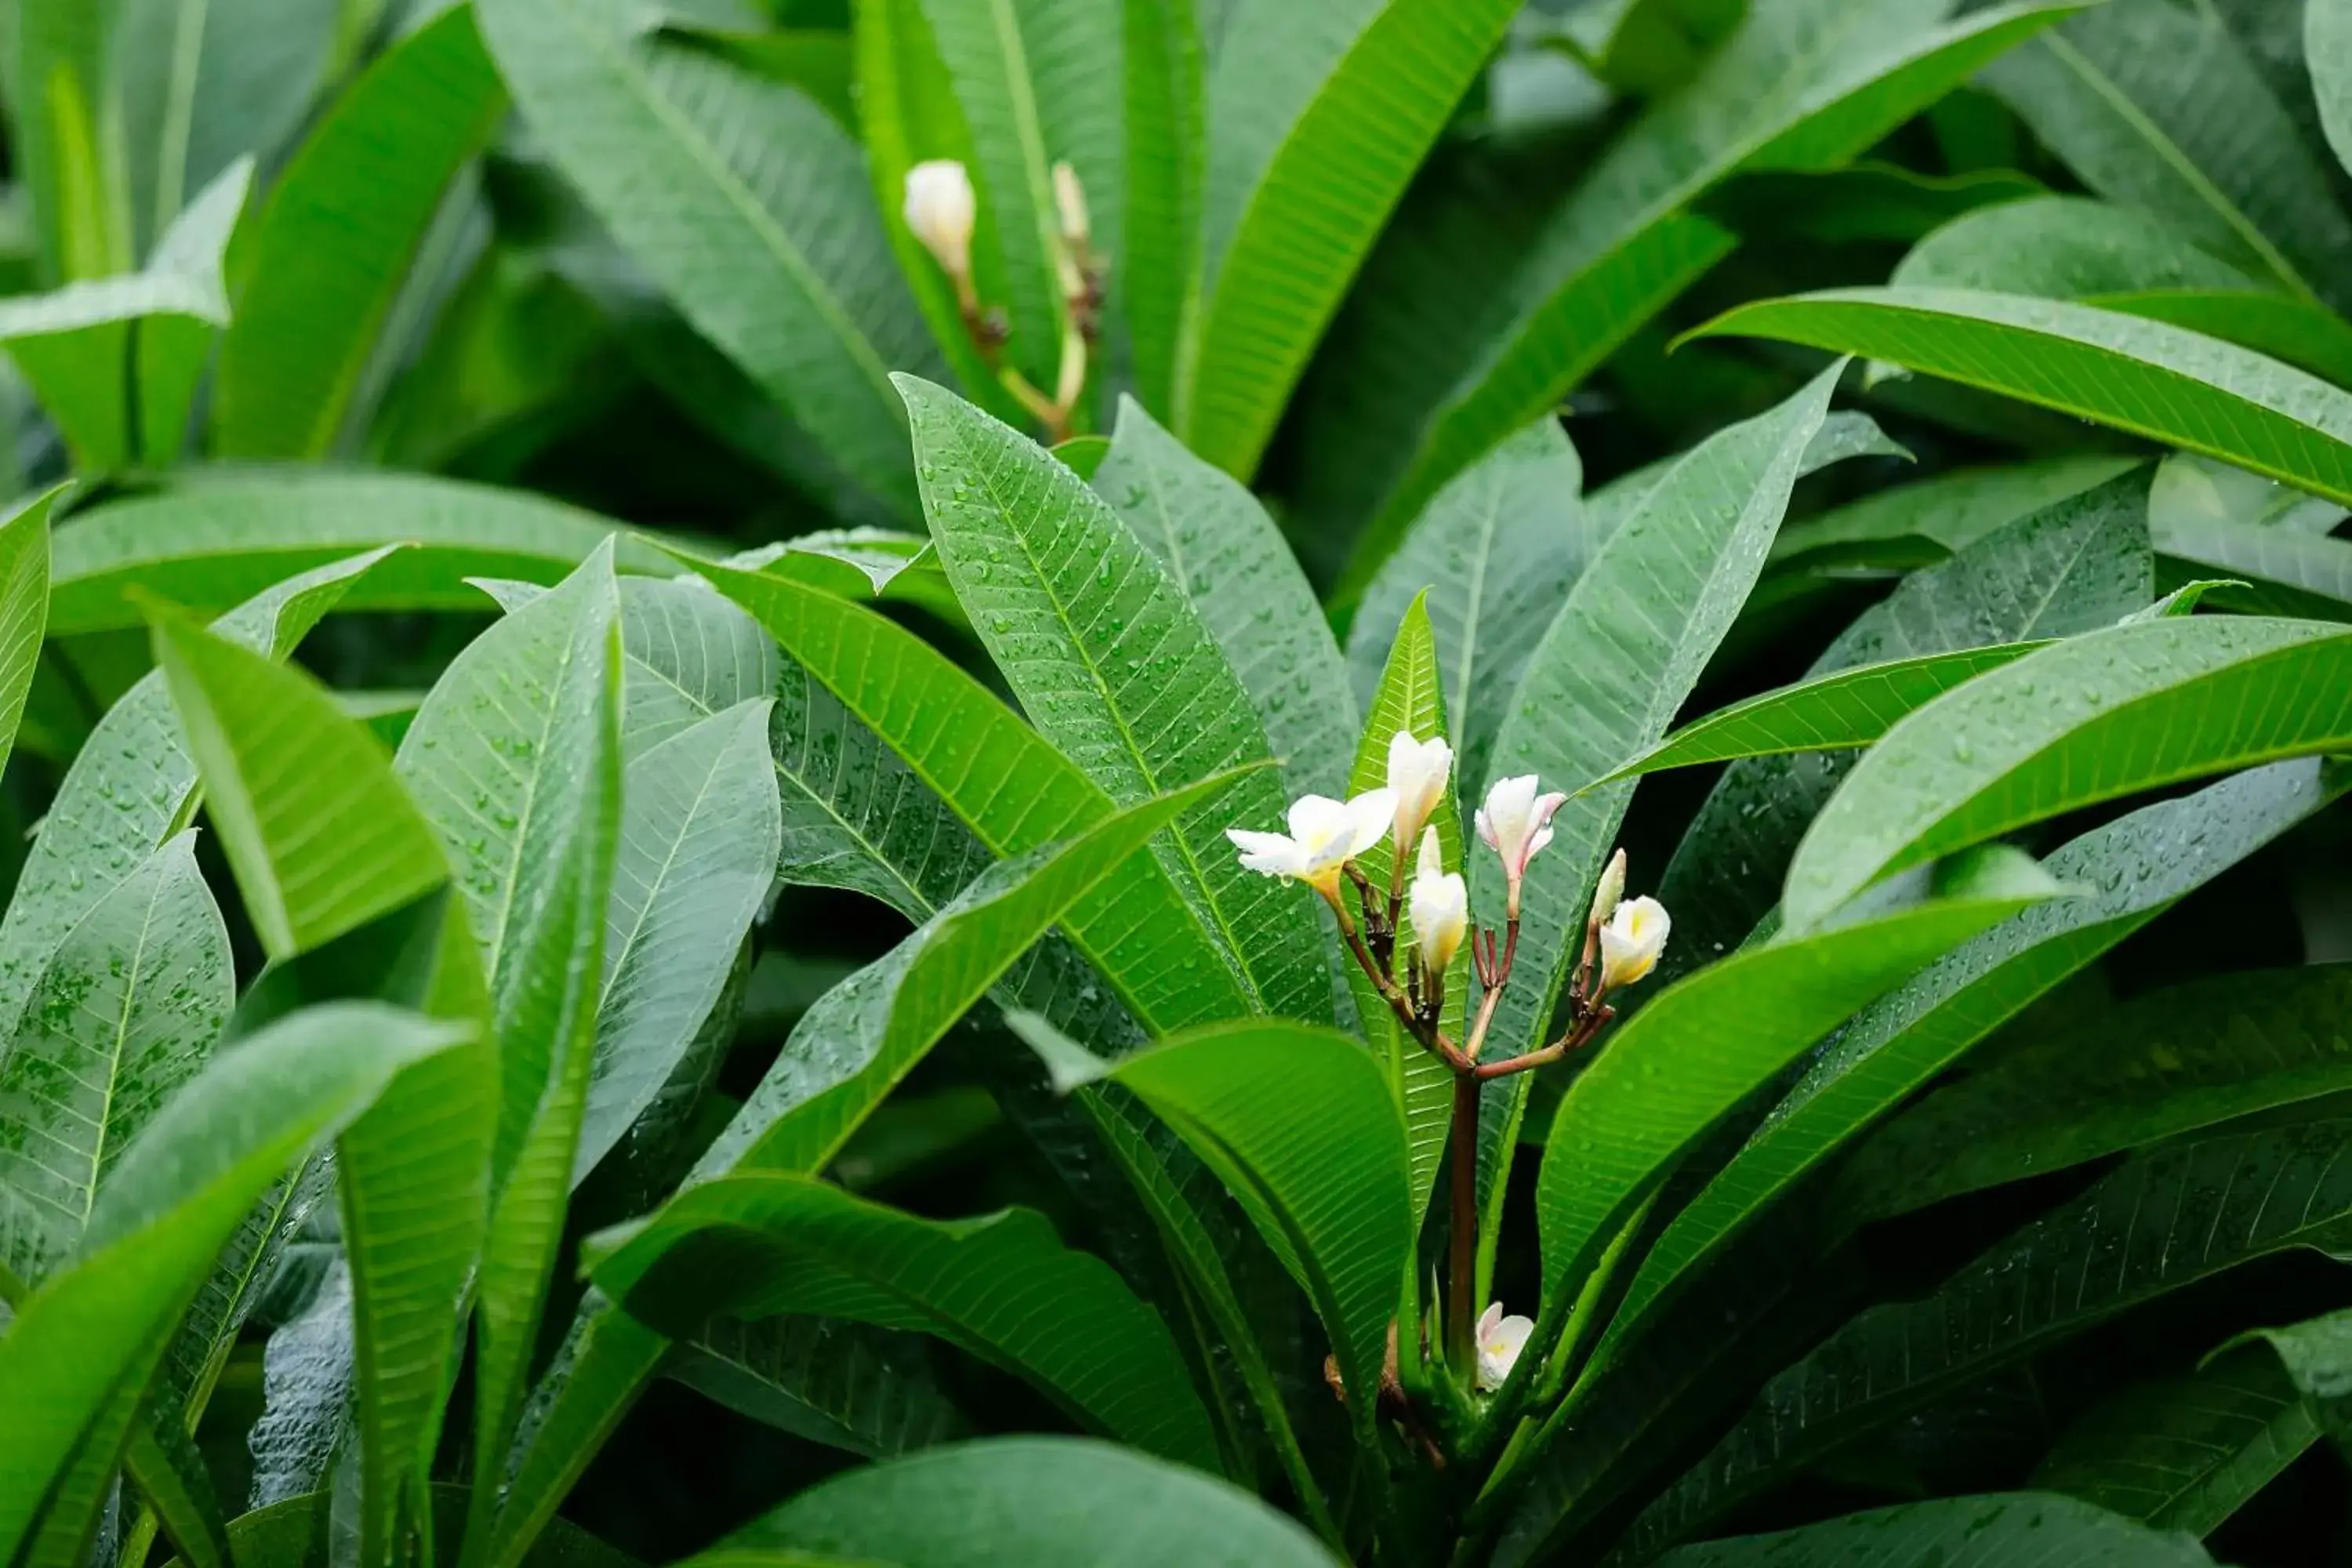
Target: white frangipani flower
{"points": [[1417, 772], [1630, 941], [1516, 822], [941, 210], [1500, 1340], [1611, 891], [1325, 835], [1441, 908]]}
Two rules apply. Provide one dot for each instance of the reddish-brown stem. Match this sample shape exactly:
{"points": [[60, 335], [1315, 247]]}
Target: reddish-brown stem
{"points": [[1579, 1034]]}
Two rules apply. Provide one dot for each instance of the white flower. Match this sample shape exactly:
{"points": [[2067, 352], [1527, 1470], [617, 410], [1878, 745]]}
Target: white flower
{"points": [[1417, 772], [1611, 893], [1500, 1340], [1630, 941], [1325, 833], [1516, 822], [941, 210], [1441, 908]]}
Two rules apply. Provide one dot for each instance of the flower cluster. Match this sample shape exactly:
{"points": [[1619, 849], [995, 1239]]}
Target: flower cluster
{"points": [[1622, 939]]}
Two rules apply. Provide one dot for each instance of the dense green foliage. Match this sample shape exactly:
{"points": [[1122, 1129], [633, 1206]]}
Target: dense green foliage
{"points": [[649, 654]]}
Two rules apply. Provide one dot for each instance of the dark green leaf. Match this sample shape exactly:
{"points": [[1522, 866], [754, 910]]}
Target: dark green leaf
{"points": [[1992, 1532]]}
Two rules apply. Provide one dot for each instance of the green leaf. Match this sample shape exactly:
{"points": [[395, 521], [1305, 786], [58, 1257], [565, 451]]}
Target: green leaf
{"points": [[1721, 1034], [1803, 84], [2327, 50], [1313, 130], [1049, 1503], [2094, 718], [2191, 489], [866, 1034], [2279, 570], [2135, 868], [1939, 516], [1409, 697], [2075, 565], [2167, 1219], [1619, 660], [69, 124], [2184, 1452], [214, 539], [293, 1534], [1648, 45], [1495, 551], [1991, 1532], [761, 1243], [280, 762], [1845, 708], [2171, 1062], [871, 1392], [2317, 1354], [2157, 106], [25, 560], [700, 831], [95, 1333], [133, 786], [1116, 672], [1038, 82], [1331, 1192], [2061, 248], [325, 843], [2307, 336], [123, 1014], [334, 246], [74, 344], [1225, 556], [2143, 377], [746, 204], [1157, 270], [1007, 783]]}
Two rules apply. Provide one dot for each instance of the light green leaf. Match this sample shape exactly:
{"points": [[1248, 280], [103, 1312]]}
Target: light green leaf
{"points": [[1618, 662], [1313, 130], [2134, 869], [2297, 331], [1003, 779], [74, 344], [216, 538], [2171, 1062], [1845, 708], [2158, 107], [1992, 1532], [1048, 1502], [2328, 49], [1157, 269], [1331, 1192], [25, 561], [99, 1328], [1495, 552], [123, 1014], [1945, 514], [334, 246], [1231, 563], [1721, 1034], [279, 762], [1002, 1287], [2061, 248], [2281, 570], [1803, 84], [866, 1034], [69, 123], [1409, 697], [2076, 565], [1116, 672], [2167, 1219], [2191, 489], [2143, 377], [133, 786], [2094, 718], [744, 201], [2186, 1452], [700, 830]]}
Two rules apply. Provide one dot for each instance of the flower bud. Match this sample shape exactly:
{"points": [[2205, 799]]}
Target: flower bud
{"points": [[1516, 822], [1630, 941], [1417, 772], [1070, 203], [1440, 910], [1500, 1340], [941, 210], [1611, 889]]}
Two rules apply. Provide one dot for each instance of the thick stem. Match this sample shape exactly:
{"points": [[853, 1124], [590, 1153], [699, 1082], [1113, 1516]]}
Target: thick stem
{"points": [[1461, 1305]]}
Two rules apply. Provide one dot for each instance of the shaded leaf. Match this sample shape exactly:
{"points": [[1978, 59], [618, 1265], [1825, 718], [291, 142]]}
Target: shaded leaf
{"points": [[869, 1390], [1958, 1532]]}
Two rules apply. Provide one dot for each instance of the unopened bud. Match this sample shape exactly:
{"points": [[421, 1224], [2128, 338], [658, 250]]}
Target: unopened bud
{"points": [[1611, 890], [941, 210], [1070, 202]]}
